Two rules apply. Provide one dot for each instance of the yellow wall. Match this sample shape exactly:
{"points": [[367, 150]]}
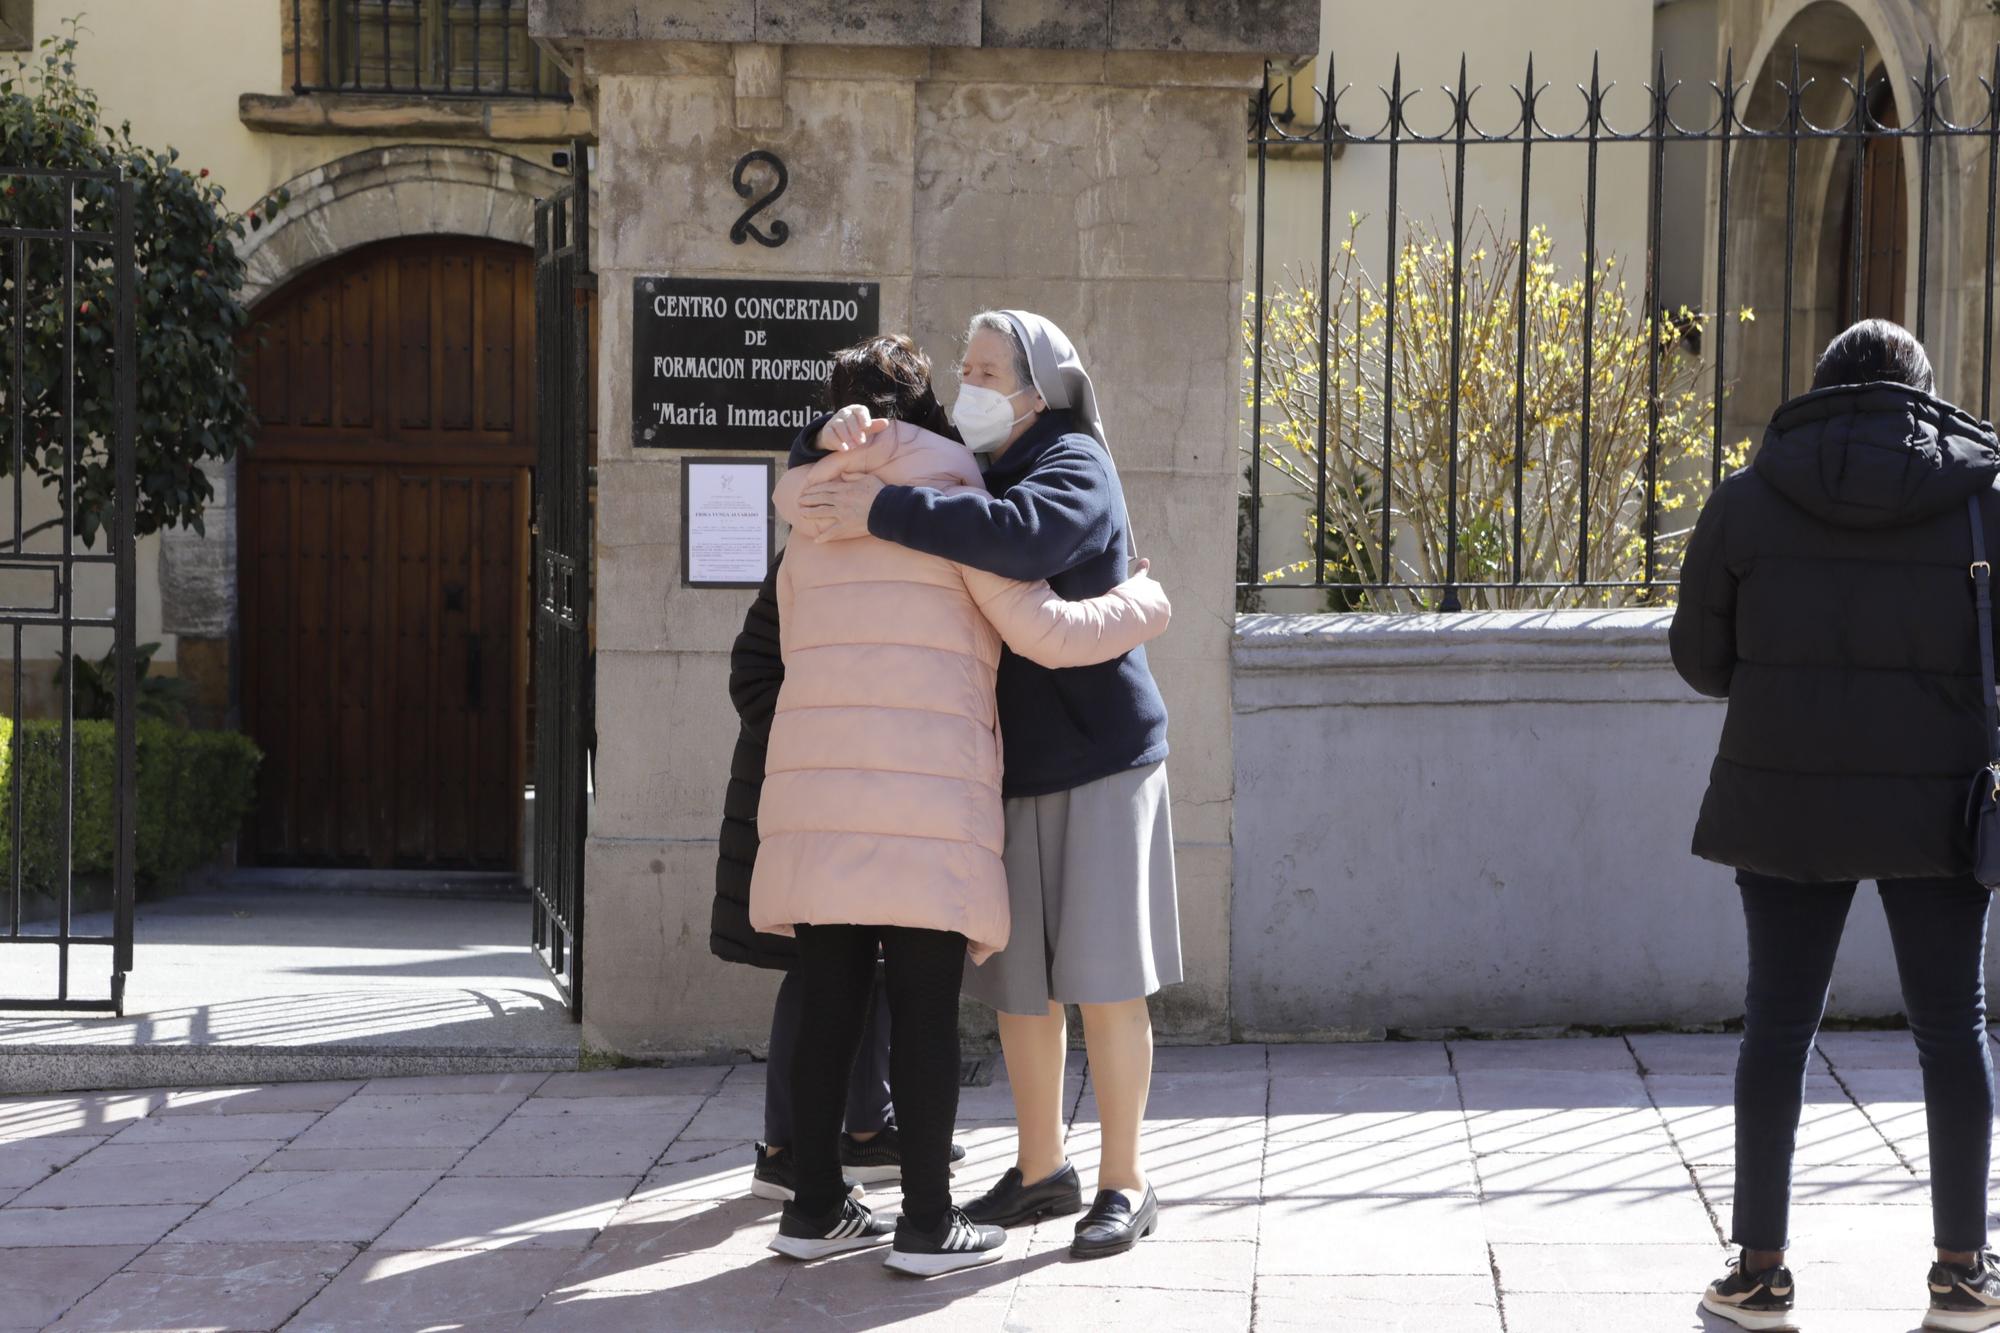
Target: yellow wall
{"points": [[1363, 44], [175, 69]]}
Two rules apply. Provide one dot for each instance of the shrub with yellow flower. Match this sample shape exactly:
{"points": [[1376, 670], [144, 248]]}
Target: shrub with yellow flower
{"points": [[1583, 514]]}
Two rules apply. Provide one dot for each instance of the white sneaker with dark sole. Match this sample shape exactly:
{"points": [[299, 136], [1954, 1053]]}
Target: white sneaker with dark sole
{"points": [[1965, 1298], [957, 1243], [852, 1226]]}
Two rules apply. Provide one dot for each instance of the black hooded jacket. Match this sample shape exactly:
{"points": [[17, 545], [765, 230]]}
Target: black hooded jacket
{"points": [[756, 670], [1827, 595]]}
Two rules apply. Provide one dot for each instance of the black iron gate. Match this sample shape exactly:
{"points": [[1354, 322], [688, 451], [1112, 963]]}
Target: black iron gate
{"points": [[565, 712], [64, 237]]}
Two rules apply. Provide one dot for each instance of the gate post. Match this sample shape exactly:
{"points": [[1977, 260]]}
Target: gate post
{"points": [[124, 539], [935, 154], [564, 708]]}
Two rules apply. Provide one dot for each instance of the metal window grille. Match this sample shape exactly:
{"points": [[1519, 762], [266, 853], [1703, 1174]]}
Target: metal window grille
{"points": [[1449, 410], [435, 48]]}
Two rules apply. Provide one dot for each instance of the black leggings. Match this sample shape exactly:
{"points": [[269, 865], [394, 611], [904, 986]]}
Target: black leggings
{"points": [[922, 972], [1938, 930]]}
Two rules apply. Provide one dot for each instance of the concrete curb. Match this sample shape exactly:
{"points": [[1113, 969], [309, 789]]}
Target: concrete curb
{"points": [[42, 1069]]}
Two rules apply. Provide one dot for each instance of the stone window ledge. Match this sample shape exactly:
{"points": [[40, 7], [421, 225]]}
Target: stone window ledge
{"points": [[501, 120]]}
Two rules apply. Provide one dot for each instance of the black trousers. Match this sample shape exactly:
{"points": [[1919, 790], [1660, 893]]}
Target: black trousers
{"points": [[922, 970], [868, 1108], [1938, 928]]}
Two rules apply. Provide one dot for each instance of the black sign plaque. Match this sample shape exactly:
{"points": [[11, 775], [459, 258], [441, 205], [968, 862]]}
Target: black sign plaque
{"points": [[737, 364]]}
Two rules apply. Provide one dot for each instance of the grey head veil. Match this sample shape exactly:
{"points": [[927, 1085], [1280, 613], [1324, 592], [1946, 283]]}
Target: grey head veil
{"points": [[1058, 371], [1062, 382]]}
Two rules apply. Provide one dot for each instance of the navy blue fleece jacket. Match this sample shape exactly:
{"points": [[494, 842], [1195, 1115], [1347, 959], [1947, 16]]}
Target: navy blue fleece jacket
{"points": [[1055, 512]]}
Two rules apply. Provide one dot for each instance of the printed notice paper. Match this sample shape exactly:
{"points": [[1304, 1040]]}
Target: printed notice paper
{"points": [[728, 522]]}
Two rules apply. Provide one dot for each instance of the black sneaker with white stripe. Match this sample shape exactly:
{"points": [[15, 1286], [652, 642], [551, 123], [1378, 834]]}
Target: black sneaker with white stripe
{"points": [[1965, 1297], [957, 1243], [776, 1176], [1760, 1301], [879, 1159], [852, 1226]]}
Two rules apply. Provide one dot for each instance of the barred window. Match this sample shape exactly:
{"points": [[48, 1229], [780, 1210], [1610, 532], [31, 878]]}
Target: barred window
{"points": [[470, 48]]}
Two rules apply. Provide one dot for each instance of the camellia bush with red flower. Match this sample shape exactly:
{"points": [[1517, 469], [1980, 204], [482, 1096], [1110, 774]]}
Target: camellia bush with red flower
{"points": [[191, 402]]}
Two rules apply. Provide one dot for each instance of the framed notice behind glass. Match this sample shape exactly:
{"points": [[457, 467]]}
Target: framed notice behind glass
{"points": [[727, 528]]}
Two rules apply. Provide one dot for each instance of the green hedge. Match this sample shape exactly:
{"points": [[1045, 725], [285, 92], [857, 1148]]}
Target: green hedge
{"points": [[194, 789]]}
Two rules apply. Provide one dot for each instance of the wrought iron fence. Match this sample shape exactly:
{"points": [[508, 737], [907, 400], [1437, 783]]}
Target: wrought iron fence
{"points": [[66, 236], [1474, 407], [437, 48]]}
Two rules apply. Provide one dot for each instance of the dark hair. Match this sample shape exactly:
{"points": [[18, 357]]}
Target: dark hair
{"points": [[890, 376], [1875, 351]]}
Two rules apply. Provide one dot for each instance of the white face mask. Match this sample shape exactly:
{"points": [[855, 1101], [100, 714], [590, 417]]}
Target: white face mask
{"points": [[985, 416]]}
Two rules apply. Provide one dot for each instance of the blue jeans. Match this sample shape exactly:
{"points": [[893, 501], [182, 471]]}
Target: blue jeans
{"points": [[1938, 927]]}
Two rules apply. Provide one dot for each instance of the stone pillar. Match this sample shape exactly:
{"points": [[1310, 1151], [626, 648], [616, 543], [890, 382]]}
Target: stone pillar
{"points": [[1100, 184], [198, 599]]}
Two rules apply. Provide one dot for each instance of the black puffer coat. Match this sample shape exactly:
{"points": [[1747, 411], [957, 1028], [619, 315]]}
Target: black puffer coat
{"points": [[756, 670], [1827, 596]]}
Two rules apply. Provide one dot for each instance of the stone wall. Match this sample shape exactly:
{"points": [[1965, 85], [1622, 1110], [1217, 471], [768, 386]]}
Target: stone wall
{"points": [[1101, 188], [1482, 821]]}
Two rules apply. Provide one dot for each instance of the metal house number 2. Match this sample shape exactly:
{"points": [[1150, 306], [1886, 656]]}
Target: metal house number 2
{"points": [[744, 227]]}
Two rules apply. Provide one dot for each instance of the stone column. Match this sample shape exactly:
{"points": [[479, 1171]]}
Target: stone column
{"points": [[1099, 184], [198, 598]]}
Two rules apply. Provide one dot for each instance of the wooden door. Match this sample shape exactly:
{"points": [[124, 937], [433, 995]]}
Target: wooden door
{"points": [[383, 541], [1883, 220]]}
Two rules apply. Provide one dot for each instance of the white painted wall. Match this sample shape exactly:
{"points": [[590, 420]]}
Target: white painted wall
{"points": [[1483, 821]]}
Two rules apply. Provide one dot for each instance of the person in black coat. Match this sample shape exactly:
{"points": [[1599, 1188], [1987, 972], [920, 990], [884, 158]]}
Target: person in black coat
{"points": [[1827, 596], [871, 1150]]}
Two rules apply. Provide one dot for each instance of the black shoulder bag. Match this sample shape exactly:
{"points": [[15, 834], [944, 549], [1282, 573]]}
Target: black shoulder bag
{"points": [[1983, 806]]}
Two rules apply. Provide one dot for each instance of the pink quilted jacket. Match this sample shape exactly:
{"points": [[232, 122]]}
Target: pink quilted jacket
{"points": [[881, 797]]}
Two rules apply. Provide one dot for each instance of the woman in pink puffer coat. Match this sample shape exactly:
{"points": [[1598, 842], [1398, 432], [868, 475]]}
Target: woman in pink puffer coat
{"points": [[881, 820]]}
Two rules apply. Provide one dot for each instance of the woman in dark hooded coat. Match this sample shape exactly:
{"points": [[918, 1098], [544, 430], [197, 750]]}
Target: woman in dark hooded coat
{"points": [[1827, 596]]}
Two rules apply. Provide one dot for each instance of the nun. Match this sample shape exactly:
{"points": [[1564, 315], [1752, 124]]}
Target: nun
{"points": [[1090, 847]]}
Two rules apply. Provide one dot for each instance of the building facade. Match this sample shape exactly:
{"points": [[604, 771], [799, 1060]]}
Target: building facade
{"points": [[360, 601]]}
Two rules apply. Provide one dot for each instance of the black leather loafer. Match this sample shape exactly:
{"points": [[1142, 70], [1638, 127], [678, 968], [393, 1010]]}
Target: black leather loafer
{"points": [[1113, 1225], [1013, 1203]]}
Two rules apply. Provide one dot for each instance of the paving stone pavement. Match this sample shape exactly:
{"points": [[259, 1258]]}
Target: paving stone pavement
{"points": [[1463, 1187]]}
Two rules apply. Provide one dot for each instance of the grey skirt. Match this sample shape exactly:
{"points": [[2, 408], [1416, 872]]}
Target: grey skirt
{"points": [[1090, 881]]}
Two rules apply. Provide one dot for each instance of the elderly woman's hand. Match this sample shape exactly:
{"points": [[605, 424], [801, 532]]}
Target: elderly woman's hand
{"points": [[838, 510], [849, 428]]}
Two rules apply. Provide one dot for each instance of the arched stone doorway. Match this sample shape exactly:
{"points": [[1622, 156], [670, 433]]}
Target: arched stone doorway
{"points": [[1798, 211], [382, 519], [369, 196]]}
